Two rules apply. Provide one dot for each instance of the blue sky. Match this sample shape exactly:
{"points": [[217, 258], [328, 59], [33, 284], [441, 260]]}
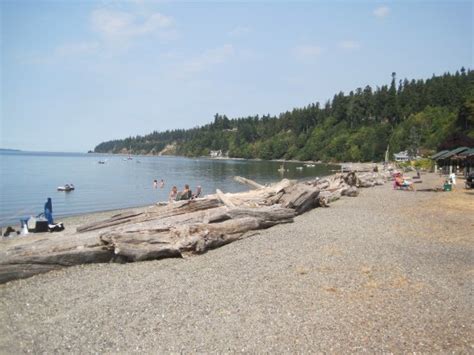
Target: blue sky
{"points": [[76, 73]]}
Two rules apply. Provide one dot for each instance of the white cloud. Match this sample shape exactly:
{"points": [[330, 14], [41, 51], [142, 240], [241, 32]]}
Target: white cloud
{"points": [[118, 25], [204, 61], [381, 11], [78, 48], [305, 52], [349, 45], [209, 58], [239, 31]]}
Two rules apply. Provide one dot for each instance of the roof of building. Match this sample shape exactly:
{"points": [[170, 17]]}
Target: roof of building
{"points": [[449, 154], [435, 156], [467, 153], [403, 153]]}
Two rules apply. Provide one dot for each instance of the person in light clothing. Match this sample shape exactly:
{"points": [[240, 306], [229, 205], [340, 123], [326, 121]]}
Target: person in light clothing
{"points": [[452, 178], [173, 194]]}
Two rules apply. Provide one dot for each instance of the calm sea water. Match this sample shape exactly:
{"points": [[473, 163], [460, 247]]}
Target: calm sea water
{"points": [[27, 179]]}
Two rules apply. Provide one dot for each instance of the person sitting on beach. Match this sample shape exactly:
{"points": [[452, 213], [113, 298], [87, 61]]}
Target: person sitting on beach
{"points": [[173, 194], [186, 194], [402, 183], [198, 192]]}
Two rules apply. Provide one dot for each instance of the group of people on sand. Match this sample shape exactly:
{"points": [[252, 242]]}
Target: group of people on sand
{"points": [[186, 194]]}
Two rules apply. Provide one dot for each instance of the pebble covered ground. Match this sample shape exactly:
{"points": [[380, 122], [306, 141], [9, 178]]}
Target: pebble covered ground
{"points": [[388, 271]]}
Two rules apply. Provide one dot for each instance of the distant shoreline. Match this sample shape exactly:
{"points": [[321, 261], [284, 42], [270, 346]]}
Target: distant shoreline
{"points": [[236, 158]]}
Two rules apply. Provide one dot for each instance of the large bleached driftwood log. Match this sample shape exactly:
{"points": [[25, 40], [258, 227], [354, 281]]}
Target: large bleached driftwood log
{"points": [[300, 197], [156, 212], [112, 221], [177, 228], [25, 257], [145, 244]]}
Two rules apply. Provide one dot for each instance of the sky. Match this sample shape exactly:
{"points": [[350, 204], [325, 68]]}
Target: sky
{"points": [[77, 73]]}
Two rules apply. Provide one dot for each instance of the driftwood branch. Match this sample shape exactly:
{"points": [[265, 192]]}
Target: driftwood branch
{"points": [[224, 199], [248, 182]]}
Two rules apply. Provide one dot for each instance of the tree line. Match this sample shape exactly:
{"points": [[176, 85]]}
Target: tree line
{"points": [[415, 115]]}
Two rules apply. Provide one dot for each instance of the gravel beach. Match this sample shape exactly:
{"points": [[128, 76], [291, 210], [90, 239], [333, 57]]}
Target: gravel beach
{"points": [[388, 271]]}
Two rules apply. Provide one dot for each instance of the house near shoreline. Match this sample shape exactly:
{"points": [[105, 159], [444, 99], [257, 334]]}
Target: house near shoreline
{"points": [[218, 154], [459, 160], [402, 156]]}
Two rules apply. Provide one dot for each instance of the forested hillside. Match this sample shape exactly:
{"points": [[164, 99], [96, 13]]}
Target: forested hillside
{"points": [[416, 115]]}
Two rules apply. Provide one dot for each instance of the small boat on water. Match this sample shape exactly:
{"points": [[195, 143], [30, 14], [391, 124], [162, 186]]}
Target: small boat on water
{"points": [[299, 168], [310, 165], [101, 161], [67, 187]]}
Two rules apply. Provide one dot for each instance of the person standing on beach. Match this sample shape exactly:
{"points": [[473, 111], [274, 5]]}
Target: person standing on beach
{"points": [[48, 211], [452, 179]]}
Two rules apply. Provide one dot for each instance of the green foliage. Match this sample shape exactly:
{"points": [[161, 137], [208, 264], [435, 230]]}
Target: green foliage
{"points": [[426, 129], [413, 115], [423, 164], [420, 164], [465, 119]]}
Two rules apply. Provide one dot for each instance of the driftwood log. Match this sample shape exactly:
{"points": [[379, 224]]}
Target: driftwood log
{"points": [[179, 228]]}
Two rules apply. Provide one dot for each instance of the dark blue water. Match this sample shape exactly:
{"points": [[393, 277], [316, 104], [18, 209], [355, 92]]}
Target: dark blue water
{"points": [[27, 179]]}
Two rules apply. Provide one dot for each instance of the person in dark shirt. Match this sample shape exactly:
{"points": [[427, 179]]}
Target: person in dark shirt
{"points": [[186, 194]]}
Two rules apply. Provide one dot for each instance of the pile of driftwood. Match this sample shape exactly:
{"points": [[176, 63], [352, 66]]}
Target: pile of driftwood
{"points": [[179, 228]]}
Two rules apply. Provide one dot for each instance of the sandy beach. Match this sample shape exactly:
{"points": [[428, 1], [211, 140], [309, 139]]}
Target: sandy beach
{"points": [[388, 271]]}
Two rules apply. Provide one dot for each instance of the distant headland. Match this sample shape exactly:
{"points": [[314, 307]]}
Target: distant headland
{"points": [[9, 150]]}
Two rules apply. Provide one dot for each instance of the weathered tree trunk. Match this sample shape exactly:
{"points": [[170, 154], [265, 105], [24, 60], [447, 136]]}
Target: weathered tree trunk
{"points": [[351, 191], [299, 197], [147, 244], [224, 199], [112, 221], [156, 212], [194, 238], [25, 258]]}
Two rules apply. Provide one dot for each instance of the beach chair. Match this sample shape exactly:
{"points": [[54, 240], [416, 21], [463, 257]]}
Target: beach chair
{"points": [[397, 186]]}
